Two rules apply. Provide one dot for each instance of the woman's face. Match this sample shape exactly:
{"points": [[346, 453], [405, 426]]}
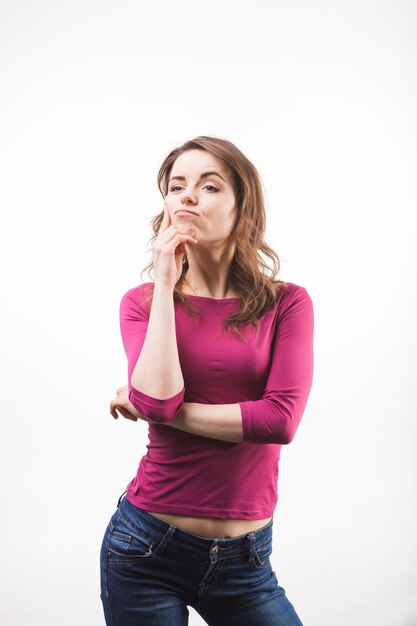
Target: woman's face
{"points": [[210, 197]]}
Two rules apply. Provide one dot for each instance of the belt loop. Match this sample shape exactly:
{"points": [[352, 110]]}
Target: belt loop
{"points": [[252, 550], [171, 530], [120, 499]]}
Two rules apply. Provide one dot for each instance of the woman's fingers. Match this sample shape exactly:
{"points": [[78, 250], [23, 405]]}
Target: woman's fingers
{"points": [[127, 415], [124, 412], [166, 220], [174, 240], [113, 411], [115, 404], [123, 405], [168, 249]]}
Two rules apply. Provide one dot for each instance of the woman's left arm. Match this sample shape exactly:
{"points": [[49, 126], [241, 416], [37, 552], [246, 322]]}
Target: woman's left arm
{"points": [[274, 417], [216, 421]]}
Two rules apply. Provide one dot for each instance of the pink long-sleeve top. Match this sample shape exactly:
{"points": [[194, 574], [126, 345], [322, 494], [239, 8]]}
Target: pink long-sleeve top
{"points": [[270, 377]]}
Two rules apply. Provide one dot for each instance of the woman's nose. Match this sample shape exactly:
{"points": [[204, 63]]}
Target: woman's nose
{"points": [[186, 198]]}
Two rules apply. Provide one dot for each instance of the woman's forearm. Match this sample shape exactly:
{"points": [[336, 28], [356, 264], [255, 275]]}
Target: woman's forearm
{"points": [[216, 421], [157, 372]]}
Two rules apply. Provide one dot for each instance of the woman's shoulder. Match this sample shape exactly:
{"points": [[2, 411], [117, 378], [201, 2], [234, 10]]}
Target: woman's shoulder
{"points": [[142, 289], [291, 289], [288, 292], [291, 296], [138, 296]]}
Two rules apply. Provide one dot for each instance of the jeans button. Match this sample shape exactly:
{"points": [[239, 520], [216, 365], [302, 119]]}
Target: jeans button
{"points": [[215, 549]]}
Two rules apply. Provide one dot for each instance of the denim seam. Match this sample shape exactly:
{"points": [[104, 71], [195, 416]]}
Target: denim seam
{"points": [[156, 543], [106, 577], [166, 540], [140, 533], [122, 536], [129, 559]]}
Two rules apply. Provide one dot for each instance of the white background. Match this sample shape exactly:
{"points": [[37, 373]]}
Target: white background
{"points": [[321, 96]]}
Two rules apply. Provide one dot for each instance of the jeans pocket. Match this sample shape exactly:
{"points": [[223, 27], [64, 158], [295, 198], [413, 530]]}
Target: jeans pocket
{"points": [[126, 544], [261, 556]]}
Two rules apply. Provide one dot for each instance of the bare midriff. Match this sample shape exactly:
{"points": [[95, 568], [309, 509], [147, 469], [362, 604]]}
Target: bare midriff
{"points": [[211, 527]]}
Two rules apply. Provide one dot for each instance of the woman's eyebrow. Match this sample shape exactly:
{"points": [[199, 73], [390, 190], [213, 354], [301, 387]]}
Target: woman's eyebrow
{"points": [[205, 175]]}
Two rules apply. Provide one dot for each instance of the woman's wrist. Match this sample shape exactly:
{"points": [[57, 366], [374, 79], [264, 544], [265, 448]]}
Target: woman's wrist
{"points": [[217, 421], [180, 418], [162, 290]]}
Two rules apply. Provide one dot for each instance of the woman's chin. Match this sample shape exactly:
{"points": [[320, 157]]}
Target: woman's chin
{"points": [[187, 228]]}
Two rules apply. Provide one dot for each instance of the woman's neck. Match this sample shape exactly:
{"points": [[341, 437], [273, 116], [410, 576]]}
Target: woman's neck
{"points": [[219, 292]]}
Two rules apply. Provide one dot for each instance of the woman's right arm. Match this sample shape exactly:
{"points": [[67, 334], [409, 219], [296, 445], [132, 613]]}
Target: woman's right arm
{"points": [[156, 383], [158, 372]]}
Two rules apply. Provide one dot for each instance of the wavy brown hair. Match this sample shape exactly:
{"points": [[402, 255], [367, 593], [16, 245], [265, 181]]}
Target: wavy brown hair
{"points": [[257, 291]]}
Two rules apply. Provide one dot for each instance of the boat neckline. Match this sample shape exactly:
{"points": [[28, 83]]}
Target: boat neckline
{"points": [[192, 295]]}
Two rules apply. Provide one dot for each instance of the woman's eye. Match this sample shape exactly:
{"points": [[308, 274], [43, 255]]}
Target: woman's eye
{"points": [[215, 189]]}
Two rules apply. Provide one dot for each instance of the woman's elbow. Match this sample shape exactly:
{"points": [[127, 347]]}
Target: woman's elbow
{"points": [[284, 432], [287, 435], [155, 409]]}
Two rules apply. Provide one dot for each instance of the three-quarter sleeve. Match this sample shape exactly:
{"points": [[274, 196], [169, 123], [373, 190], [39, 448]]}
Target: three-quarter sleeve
{"points": [[133, 326], [275, 417]]}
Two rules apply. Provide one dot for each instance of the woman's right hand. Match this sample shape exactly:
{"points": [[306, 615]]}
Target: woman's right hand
{"points": [[168, 251]]}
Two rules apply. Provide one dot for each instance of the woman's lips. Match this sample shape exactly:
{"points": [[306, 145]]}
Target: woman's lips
{"points": [[184, 212]]}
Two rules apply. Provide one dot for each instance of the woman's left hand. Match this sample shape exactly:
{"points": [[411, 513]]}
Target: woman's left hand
{"points": [[125, 407]]}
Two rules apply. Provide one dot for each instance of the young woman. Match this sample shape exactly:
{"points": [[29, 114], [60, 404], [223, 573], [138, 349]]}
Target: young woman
{"points": [[220, 366]]}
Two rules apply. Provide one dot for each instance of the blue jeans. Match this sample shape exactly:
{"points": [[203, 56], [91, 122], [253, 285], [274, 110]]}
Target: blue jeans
{"points": [[151, 570]]}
